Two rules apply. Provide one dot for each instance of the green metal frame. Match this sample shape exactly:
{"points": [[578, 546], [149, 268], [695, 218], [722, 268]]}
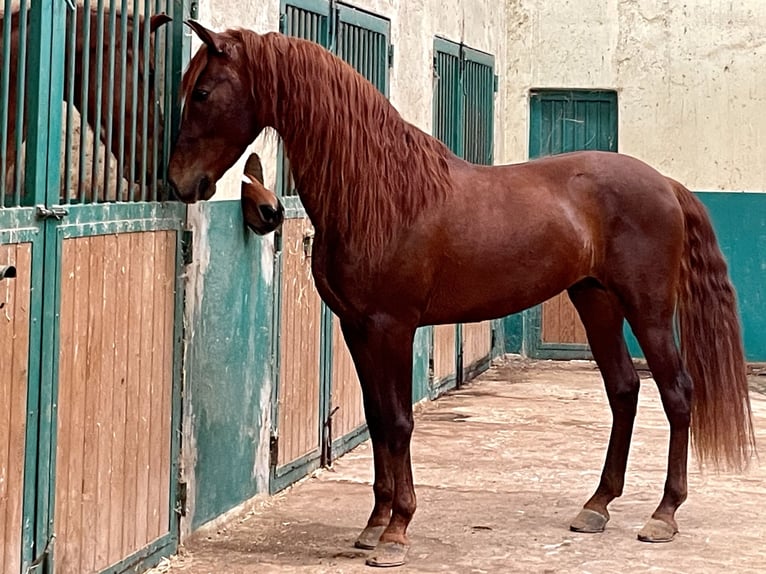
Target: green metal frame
{"points": [[532, 343], [458, 129]]}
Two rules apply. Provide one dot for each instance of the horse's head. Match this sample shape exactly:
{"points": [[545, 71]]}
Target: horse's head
{"points": [[262, 211], [219, 119]]}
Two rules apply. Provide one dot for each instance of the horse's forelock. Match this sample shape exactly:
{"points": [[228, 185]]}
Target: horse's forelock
{"points": [[193, 72]]}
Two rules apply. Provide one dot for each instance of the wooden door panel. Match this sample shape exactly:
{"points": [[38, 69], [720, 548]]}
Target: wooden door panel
{"points": [[114, 397], [561, 323], [299, 377], [14, 366]]}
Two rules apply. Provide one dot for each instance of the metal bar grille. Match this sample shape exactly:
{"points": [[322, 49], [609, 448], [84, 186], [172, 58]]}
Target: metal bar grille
{"points": [[464, 88]]}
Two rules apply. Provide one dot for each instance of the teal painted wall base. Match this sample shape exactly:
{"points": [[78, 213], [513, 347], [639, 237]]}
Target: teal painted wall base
{"points": [[228, 361]]}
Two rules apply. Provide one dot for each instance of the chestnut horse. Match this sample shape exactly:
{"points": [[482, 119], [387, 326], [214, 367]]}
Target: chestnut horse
{"points": [[408, 234], [119, 139]]}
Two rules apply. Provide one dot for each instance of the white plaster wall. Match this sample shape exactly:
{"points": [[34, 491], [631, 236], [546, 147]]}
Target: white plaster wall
{"points": [[690, 78]]}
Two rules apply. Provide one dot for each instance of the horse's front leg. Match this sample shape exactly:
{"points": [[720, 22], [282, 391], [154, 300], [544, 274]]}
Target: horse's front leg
{"points": [[382, 351]]}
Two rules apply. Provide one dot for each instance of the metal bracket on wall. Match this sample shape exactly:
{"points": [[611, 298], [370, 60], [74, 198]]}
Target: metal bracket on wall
{"points": [[57, 213]]}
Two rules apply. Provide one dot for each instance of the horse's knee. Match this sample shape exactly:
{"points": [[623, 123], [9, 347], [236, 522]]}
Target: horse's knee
{"points": [[623, 395], [400, 432]]}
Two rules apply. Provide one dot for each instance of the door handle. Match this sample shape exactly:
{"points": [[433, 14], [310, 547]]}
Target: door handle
{"points": [[7, 272]]}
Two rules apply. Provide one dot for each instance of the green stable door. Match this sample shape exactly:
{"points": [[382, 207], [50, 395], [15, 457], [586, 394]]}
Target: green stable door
{"points": [[90, 295], [563, 121]]}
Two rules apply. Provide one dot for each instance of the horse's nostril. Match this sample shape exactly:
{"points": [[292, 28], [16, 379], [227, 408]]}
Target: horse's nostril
{"points": [[204, 186], [268, 213]]}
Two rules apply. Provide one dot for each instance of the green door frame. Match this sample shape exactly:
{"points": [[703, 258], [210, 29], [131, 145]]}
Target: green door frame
{"points": [[602, 136]]}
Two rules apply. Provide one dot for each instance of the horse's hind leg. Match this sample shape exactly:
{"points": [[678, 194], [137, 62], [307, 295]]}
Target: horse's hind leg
{"points": [[655, 335], [603, 318]]}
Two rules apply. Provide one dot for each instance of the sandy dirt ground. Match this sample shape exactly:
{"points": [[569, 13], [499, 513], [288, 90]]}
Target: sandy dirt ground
{"points": [[501, 466]]}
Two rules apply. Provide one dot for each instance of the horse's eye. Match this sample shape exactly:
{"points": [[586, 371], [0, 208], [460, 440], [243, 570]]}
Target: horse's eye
{"points": [[200, 95]]}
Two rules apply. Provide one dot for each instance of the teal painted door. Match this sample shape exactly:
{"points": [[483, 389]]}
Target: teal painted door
{"points": [[95, 304], [565, 121], [463, 118]]}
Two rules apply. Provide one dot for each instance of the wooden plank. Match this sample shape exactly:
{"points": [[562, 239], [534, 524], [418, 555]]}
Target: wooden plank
{"points": [[66, 355], [156, 383], [444, 351], [477, 342], [135, 297], [14, 355], [167, 372], [568, 318], [145, 261], [106, 421], [92, 300], [119, 399], [70, 453], [346, 389]]}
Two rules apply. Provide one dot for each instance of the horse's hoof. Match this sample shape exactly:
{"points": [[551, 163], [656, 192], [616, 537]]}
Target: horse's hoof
{"points": [[657, 531], [388, 554], [589, 521], [369, 537]]}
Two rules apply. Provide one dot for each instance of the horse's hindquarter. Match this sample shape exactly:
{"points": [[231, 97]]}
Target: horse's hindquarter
{"points": [[514, 236]]}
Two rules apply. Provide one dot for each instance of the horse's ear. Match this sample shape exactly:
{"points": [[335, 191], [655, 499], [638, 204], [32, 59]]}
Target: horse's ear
{"points": [[158, 20], [254, 168], [208, 37]]}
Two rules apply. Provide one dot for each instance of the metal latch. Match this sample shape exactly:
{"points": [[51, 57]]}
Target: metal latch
{"points": [[308, 243], [57, 213], [7, 272]]}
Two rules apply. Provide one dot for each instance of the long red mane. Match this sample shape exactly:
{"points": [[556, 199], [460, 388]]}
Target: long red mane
{"points": [[364, 169]]}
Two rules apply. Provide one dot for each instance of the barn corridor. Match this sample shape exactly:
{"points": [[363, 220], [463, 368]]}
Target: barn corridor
{"points": [[501, 466]]}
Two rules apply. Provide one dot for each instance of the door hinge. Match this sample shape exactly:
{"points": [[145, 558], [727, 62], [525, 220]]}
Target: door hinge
{"points": [[182, 498], [187, 246], [328, 438], [277, 241], [390, 55], [194, 10], [57, 213], [496, 84], [282, 23], [40, 561]]}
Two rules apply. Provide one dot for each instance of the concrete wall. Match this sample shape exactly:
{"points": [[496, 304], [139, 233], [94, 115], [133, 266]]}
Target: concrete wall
{"points": [[689, 76]]}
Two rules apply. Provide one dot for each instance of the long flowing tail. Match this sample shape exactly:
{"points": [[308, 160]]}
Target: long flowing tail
{"points": [[711, 345]]}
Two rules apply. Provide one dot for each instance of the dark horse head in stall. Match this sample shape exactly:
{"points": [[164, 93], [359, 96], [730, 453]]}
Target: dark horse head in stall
{"points": [[125, 109]]}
